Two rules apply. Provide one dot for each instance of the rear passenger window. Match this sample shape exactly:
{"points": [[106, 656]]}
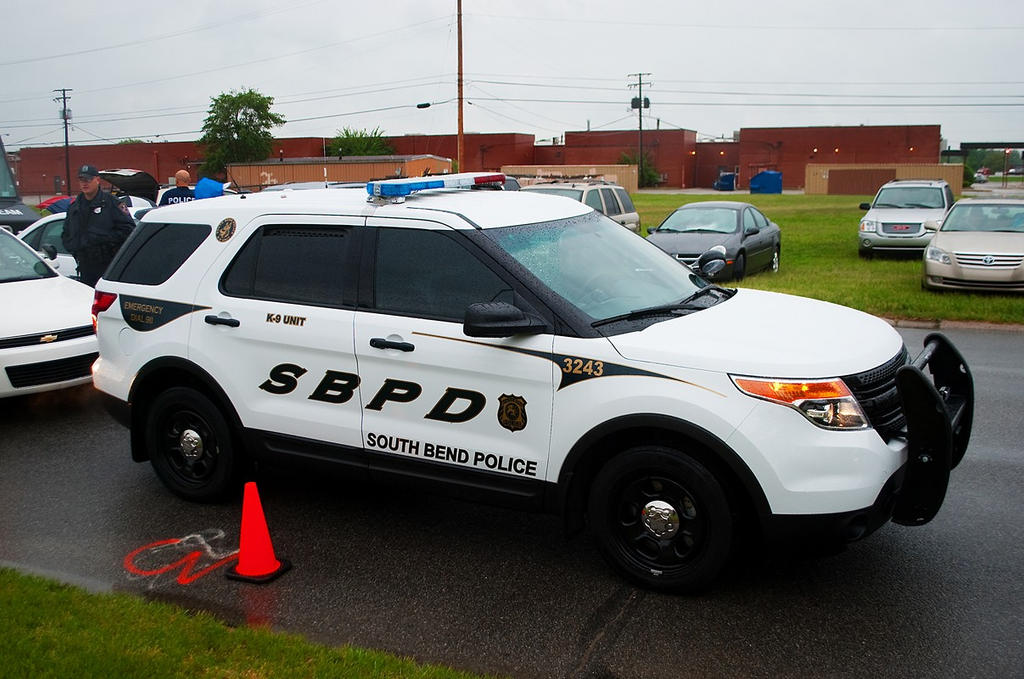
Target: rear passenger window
{"points": [[593, 199], [627, 202], [431, 275], [298, 264], [154, 251], [610, 204]]}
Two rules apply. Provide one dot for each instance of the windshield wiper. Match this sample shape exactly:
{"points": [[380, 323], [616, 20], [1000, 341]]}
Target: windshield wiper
{"points": [[659, 310], [674, 309]]}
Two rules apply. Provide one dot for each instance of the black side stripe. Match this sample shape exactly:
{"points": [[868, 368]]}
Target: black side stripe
{"points": [[144, 313], [571, 377]]}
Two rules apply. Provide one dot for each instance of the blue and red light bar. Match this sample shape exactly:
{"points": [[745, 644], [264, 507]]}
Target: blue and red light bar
{"points": [[408, 185]]}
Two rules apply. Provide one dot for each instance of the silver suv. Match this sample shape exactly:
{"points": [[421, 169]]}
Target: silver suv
{"points": [[895, 220], [608, 199]]}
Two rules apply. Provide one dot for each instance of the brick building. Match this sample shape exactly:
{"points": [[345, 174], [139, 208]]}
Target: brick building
{"points": [[676, 154]]}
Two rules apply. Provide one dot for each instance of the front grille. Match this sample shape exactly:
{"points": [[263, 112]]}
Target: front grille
{"points": [[50, 372], [876, 392], [37, 338], [987, 261], [901, 229]]}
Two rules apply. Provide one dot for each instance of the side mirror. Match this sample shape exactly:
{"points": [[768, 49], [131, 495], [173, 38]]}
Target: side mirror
{"points": [[710, 262], [500, 319], [865, 206], [932, 225], [752, 230], [50, 250]]}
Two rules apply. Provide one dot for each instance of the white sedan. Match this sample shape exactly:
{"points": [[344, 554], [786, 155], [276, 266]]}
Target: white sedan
{"points": [[47, 231], [47, 339]]}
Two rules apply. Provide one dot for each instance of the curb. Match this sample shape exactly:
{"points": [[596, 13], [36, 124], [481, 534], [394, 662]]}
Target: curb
{"points": [[936, 324]]}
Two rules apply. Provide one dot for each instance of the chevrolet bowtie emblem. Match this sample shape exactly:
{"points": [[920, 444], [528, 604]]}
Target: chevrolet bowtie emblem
{"points": [[47, 338]]}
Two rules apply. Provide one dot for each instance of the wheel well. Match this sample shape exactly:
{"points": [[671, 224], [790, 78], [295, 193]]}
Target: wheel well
{"points": [[157, 379], [748, 503]]}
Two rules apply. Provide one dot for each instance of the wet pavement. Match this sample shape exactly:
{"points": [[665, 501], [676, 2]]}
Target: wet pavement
{"points": [[490, 590]]}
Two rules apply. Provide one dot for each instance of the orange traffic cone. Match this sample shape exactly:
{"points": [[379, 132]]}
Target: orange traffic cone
{"points": [[256, 560]]}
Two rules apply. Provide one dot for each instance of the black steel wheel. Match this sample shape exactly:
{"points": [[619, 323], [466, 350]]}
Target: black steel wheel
{"points": [[190, 445], [661, 518], [739, 267]]}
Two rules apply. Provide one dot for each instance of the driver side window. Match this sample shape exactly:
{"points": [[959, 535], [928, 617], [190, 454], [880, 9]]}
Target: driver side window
{"points": [[749, 224], [429, 274]]}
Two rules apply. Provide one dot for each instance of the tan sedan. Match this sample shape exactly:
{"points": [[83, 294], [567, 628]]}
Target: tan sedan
{"points": [[980, 246]]}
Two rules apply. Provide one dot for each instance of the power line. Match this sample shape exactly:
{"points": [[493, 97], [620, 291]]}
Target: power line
{"points": [[178, 76], [147, 41]]}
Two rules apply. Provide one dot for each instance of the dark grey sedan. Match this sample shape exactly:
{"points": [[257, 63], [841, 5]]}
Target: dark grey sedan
{"points": [[752, 241]]}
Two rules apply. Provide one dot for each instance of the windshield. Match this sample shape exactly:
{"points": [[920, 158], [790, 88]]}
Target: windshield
{"points": [[575, 194], [715, 219], [985, 218], [596, 265], [19, 263], [910, 196]]}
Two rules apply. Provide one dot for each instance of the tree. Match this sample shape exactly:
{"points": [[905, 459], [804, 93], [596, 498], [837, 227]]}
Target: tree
{"points": [[360, 143], [131, 140], [237, 129], [650, 175]]}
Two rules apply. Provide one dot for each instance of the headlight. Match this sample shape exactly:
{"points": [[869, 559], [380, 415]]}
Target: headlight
{"points": [[934, 254], [828, 403], [868, 226]]}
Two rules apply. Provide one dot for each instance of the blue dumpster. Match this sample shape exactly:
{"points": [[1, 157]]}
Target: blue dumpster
{"points": [[726, 182], [766, 181]]}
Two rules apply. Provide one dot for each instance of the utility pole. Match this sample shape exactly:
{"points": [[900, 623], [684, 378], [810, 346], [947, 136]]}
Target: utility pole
{"points": [[640, 103], [65, 115], [458, 154]]}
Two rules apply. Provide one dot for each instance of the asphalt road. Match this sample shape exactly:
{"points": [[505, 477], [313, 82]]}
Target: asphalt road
{"points": [[490, 590]]}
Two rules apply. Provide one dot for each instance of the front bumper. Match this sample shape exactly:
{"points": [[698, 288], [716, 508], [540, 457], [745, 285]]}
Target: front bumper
{"points": [[870, 241], [936, 395], [29, 369], [940, 413], [938, 276]]}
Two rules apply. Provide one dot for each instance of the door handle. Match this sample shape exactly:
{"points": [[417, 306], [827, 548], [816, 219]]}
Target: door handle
{"points": [[218, 320], [381, 343]]}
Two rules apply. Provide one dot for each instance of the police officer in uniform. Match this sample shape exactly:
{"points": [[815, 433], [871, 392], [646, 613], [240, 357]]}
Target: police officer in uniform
{"points": [[180, 193], [96, 226]]}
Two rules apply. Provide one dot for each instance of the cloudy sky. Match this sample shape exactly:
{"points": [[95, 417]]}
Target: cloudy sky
{"points": [[149, 70]]}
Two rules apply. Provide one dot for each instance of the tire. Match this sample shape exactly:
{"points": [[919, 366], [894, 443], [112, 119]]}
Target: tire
{"points": [[774, 266], [739, 267], [682, 557], [191, 446]]}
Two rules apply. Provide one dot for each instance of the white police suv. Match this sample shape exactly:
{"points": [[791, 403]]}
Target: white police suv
{"points": [[520, 349]]}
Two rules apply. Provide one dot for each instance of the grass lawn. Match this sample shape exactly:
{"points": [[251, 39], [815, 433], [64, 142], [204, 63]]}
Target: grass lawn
{"points": [[820, 260], [52, 630]]}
